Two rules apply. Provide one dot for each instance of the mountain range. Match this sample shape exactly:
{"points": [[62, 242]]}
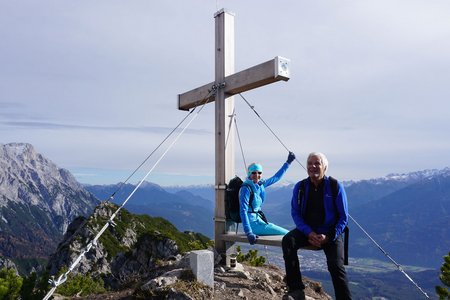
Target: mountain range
{"points": [[407, 214]]}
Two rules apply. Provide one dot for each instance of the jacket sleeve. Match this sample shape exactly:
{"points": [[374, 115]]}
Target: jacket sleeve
{"points": [[296, 212], [342, 211], [278, 175], [244, 198]]}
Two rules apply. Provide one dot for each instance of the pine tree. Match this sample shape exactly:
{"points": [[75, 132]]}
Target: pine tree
{"points": [[10, 284], [444, 292]]}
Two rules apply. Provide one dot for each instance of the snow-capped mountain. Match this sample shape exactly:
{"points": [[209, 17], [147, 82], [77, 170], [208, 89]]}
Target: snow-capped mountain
{"points": [[38, 201], [410, 177]]}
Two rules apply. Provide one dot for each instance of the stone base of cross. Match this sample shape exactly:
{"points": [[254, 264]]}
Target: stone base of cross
{"points": [[226, 84]]}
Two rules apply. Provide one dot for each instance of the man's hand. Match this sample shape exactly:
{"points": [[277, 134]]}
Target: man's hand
{"points": [[317, 240]]}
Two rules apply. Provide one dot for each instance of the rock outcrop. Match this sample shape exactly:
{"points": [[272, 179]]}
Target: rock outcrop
{"points": [[8, 264], [126, 253]]}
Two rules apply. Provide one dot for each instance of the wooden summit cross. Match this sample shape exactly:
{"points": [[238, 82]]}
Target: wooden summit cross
{"points": [[229, 84]]}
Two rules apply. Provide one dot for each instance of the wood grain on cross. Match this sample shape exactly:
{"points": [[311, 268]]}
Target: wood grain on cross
{"points": [[228, 84]]}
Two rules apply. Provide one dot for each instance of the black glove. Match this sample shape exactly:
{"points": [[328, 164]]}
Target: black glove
{"points": [[291, 157], [252, 238]]}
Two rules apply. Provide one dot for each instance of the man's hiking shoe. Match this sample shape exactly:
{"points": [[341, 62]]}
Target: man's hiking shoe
{"points": [[295, 295]]}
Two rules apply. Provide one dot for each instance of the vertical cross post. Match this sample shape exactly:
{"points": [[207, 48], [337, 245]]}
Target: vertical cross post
{"points": [[224, 61]]}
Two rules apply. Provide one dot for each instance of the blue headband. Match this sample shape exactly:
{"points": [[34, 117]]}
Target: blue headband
{"points": [[254, 168]]}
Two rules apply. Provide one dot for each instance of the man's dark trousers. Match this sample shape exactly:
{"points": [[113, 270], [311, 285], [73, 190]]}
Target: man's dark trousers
{"points": [[334, 251]]}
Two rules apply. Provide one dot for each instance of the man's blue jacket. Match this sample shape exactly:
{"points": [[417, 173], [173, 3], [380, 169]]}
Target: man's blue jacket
{"points": [[336, 210]]}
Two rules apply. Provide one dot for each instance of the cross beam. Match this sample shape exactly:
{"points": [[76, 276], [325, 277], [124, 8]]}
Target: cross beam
{"points": [[229, 84], [268, 72]]}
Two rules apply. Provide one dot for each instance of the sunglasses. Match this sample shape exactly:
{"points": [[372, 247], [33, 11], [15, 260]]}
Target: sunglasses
{"points": [[254, 173]]}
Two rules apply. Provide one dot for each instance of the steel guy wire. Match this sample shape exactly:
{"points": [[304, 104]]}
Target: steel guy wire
{"points": [[63, 277], [230, 124], [270, 129], [154, 166], [150, 155], [234, 118], [399, 267], [211, 92], [240, 145]]}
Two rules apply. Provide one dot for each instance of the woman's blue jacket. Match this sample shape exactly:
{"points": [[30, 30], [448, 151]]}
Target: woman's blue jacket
{"points": [[259, 196]]}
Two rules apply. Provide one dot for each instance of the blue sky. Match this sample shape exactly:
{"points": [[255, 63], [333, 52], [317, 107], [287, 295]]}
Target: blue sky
{"points": [[93, 85]]}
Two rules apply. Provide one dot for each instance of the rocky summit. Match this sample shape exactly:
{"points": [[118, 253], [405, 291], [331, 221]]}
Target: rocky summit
{"points": [[141, 257], [246, 282]]}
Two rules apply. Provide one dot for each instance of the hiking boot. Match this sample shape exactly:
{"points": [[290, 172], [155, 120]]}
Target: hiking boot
{"points": [[295, 295]]}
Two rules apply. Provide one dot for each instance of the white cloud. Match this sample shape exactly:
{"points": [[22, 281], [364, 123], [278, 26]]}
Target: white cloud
{"points": [[94, 85]]}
